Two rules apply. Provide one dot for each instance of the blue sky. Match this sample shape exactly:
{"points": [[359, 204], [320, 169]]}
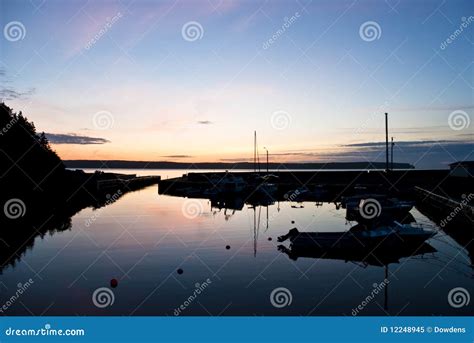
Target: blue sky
{"points": [[321, 86]]}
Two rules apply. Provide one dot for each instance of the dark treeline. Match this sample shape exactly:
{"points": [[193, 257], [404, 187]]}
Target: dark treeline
{"points": [[38, 195]]}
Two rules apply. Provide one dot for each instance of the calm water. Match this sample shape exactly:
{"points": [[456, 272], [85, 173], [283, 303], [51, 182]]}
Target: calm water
{"points": [[144, 238]]}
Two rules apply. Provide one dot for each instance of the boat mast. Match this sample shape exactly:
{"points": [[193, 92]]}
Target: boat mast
{"points": [[386, 143], [256, 157], [391, 155]]}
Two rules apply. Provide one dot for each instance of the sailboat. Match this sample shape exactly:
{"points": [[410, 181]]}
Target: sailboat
{"points": [[262, 185]]}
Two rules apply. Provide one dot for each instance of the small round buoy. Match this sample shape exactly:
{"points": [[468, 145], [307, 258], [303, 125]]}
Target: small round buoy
{"points": [[227, 247], [269, 238], [180, 271], [292, 222], [113, 283]]}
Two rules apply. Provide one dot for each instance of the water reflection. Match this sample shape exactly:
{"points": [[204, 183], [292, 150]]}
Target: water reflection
{"points": [[41, 217], [233, 240]]}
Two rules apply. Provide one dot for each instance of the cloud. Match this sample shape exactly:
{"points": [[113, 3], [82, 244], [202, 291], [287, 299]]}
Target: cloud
{"points": [[177, 156], [56, 138], [423, 154], [241, 159], [12, 94], [409, 143], [205, 122]]}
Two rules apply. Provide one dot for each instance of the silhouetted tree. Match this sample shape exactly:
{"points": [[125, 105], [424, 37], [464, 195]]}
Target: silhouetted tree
{"points": [[27, 161]]}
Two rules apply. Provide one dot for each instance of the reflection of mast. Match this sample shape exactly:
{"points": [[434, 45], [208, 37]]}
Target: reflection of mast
{"points": [[256, 228], [385, 305], [266, 229]]}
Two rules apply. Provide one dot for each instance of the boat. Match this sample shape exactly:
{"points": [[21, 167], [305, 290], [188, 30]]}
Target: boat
{"points": [[362, 236], [354, 200], [311, 193], [378, 257], [228, 184], [369, 208]]}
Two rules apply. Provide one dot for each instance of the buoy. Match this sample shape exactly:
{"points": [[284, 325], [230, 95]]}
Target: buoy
{"points": [[113, 283], [227, 247], [180, 271]]}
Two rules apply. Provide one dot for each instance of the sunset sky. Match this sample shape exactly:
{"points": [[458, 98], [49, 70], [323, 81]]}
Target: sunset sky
{"points": [[126, 80]]}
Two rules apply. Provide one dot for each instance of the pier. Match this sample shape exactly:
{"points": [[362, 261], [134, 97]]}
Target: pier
{"points": [[126, 182], [336, 182], [447, 211]]}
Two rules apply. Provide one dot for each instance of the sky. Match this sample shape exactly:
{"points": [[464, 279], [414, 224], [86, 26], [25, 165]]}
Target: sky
{"points": [[190, 81]]}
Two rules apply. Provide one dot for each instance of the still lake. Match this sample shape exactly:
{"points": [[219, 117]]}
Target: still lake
{"points": [[231, 257]]}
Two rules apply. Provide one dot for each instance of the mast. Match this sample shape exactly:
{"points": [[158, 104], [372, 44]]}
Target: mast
{"points": [[391, 155], [255, 151], [386, 142], [267, 161], [267, 158]]}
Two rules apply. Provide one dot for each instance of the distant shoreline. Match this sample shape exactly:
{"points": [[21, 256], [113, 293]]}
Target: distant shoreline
{"points": [[118, 164]]}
